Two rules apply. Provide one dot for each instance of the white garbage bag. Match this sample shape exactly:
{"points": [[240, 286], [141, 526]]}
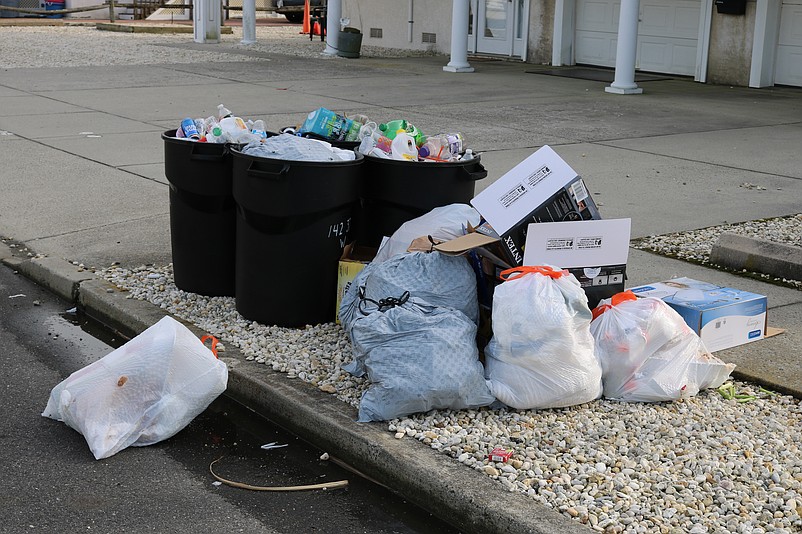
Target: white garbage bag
{"points": [[443, 224], [141, 393], [649, 354], [541, 354]]}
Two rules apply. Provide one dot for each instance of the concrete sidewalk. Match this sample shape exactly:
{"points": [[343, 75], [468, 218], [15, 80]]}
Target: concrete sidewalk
{"points": [[83, 182]]}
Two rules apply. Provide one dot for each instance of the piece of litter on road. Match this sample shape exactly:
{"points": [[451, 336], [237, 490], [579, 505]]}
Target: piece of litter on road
{"points": [[72, 310], [273, 445], [16, 296], [324, 456], [217, 483], [94, 136]]}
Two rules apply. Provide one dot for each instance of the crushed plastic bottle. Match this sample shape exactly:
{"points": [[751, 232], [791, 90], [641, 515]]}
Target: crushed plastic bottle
{"points": [[442, 147], [214, 133]]}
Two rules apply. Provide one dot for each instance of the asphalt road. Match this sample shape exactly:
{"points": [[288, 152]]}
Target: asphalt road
{"points": [[52, 483]]}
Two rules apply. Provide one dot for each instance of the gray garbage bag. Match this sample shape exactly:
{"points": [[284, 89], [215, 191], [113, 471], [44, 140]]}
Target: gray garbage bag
{"points": [[419, 358], [433, 278]]}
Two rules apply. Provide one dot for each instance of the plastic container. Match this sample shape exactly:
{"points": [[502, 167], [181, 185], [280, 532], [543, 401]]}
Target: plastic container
{"points": [[395, 191], [202, 215], [293, 220], [53, 5]]}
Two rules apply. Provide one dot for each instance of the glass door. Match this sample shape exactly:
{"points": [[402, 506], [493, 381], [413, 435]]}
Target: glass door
{"points": [[502, 26]]}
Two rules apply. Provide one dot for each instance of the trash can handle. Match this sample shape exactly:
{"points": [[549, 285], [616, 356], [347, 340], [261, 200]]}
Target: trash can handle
{"points": [[207, 157], [270, 175], [476, 175]]}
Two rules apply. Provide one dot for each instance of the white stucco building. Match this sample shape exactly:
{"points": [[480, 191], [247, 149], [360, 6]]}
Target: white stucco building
{"points": [[759, 45]]}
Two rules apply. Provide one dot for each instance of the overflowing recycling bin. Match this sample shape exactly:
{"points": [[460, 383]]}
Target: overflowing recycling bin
{"points": [[293, 220], [396, 191], [202, 215]]}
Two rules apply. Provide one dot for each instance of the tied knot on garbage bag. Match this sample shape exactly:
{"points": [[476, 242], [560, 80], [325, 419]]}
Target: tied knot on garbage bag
{"points": [[382, 305]]}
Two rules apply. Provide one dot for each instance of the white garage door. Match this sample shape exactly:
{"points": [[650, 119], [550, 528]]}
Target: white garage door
{"points": [[788, 70], [667, 34]]}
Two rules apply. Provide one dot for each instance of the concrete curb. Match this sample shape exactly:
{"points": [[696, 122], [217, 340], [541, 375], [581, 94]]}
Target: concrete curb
{"points": [[459, 495], [757, 255], [135, 28]]}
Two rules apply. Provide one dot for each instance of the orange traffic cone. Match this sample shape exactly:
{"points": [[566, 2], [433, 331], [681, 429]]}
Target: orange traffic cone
{"points": [[307, 28]]}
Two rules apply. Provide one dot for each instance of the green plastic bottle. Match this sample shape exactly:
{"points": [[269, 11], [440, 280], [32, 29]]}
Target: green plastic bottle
{"points": [[391, 128]]}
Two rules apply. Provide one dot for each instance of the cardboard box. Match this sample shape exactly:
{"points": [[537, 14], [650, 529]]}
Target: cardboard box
{"points": [[723, 317], [352, 261], [542, 188], [595, 252]]}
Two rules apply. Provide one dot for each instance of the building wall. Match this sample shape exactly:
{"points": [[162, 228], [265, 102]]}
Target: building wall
{"points": [[429, 16], [730, 55]]}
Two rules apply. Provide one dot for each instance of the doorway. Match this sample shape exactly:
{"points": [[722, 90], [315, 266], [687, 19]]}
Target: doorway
{"points": [[499, 27]]}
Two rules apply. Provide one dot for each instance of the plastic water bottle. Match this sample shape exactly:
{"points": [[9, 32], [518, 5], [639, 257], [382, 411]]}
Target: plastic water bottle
{"points": [[404, 147], [442, 147], [222, 112], [259, 128]]}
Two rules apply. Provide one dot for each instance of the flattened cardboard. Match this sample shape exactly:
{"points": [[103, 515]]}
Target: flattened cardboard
{"points": [[465, 243], [578, 243], [595, 252], [542, 188]]}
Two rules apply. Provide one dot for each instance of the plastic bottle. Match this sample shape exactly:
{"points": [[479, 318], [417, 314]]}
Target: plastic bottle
{"points": [[189, 130], [390, 129], [259, 128], [222, 112], [442, 147], [232, 128], [404, 147], [214, 133]]}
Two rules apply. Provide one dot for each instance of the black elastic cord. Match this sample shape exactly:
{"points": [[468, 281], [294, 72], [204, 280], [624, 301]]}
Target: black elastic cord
{"points": [[383, 304]]}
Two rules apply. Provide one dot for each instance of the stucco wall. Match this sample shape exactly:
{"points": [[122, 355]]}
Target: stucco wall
{"points": [[429, 16], [730, 55]]}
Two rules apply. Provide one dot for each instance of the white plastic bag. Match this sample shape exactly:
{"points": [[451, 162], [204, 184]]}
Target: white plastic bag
{"points": [[141, 393], [649, 354], [443, 223], [541, 354]]}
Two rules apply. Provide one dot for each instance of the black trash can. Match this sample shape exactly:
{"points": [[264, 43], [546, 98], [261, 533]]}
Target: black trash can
{"points": [[202, 215], [395, 191], [293, 220]]}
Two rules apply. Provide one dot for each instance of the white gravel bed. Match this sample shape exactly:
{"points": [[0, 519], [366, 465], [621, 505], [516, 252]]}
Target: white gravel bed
{"points": [[696, 245], [705, 464], [86, 46]]}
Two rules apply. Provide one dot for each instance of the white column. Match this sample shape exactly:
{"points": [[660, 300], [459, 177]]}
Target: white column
{"points": [[626, 51], [764, 43], [334, 12], [206, 23], [248, 22], [459, 37]]}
